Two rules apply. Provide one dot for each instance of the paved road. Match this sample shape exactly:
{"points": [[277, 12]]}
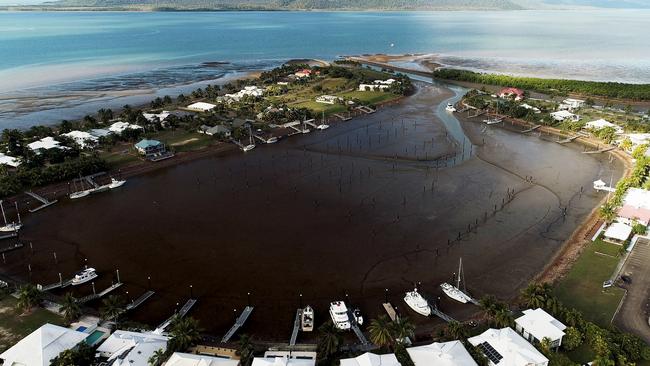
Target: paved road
{"points": [[633, 315]]}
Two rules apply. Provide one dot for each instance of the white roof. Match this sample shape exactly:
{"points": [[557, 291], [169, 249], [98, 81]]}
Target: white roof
{"points": [[9, 160], [441, 354], [99, 132], [637, 197], [541, 324], [45, 143], [119, 127], [41, 346], [573, 101], [161, 116], [638, 138], [282, 361], [600, 124], [514, 349], [131, 348], [81, 138], [188, 359], [371, 359], [618, 231], [562, 114], [201, 106]]}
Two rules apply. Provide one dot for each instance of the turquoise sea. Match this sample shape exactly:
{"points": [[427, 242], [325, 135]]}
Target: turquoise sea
{"points": [[57, 65]]}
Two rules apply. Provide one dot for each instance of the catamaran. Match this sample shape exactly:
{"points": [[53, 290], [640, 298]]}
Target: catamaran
{"points": [[418, 303], [84, 276], [450, 108], [454, 292], [339, 314], [307, 319], [10, 226]]}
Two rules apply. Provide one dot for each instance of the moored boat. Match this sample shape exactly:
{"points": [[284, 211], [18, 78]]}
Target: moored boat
{"points": [[450, 108], [358, 318], [84, 276], [116, 183], [307, 319], [339, 315], [418, 303], [454, 293], [79, 194]]}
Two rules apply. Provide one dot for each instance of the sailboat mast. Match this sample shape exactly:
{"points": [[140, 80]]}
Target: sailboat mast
{"points": [[460, 268], [3, 212], [18, 212]]}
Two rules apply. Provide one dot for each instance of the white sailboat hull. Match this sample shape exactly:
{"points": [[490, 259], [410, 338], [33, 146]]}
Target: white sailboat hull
{"points": [[454, 293], [10, 228]]}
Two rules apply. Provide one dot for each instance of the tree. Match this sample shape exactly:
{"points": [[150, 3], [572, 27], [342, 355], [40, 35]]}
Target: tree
{"points": [[245, 349], [329, 340], [184, 333], [112, 308], [71, 310], [572, 339], [381, 331], [573, 318], [608, 212], [545, 346], [456, 330], [503, 317], [157, 358], [401, 329], [535, 295], [28, 297], [82, 355], [488, 304]]}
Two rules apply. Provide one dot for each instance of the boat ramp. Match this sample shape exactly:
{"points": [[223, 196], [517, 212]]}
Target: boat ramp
{"points": [[139, 301], [44, 201], [296, 328], [184, 310], [238, 324], [531, 129], [95, 295]]}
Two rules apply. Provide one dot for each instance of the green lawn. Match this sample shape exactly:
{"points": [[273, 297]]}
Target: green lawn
{"points": [[583, 289], [582, 354], [14, 326], [181, 140], [320, 107], [372, 97]]}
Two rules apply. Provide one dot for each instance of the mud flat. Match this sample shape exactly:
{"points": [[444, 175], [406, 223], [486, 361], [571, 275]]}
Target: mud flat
{"points": [[372, 204]]}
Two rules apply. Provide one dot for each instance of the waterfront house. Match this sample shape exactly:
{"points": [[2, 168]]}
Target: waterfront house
{"points": [[561, 116], [637, 138], [599, 124], [9, 161], [371, 359], [635, 207], [518, 94], [505, 347], [201, 107], [617, 233], [82, 138], [215, 130], [573, 104], [304, 73], [188, 359], [250, 91], [372, 87], [451, 353], [125, 348], [152, 149], [537, 324], [151, 117], [99, 132], [46, 143], [119, 127], [282, 361], [41, 346], [328, 99]]}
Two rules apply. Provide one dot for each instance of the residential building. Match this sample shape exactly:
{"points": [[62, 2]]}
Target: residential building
{"points": [[304, 73], [46, 143], [638, 138], [9, 160], [151, 117], [125, 348], [573, 104], [441, 354], [635, 207], [82, 138], [537, 324], [373, 87], [565, 115], [328, 99], [151, 148], [505, 347], [599, 124], [617, 233], [188, 359], [371, 359], [215, 130], [251, 91], [530, 107], [201, 107], [99, 132], [510, 92], [119, 127], [282, 361], [41, 346]]}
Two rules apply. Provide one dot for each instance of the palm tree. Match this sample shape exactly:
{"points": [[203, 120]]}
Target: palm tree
{"points": [[330, 340], [488, 304], [28, 297], [112, 308], [184, 333], [573, 318], [157, 358], [608, 212], [71, 310], [381, 331], [456, 330], [503, 317], [245, 349], [402, 328]]}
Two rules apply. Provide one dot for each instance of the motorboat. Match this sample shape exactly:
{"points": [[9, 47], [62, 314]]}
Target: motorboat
{"points": [[358, 318], [450, 108], [492, 121], [80, 194], [418, 303], [323, 127], [339, 314], [272, 140], [454, 292], [307, 319], [116, 183], [248, 147], [84, 276]]}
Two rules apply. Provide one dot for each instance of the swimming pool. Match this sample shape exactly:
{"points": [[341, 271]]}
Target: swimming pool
{"points": [[82, 329], [94, 337]]}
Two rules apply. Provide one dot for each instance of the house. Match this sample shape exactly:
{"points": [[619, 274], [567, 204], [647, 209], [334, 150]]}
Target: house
{"points": [[441, 354], [371, 359], [9, 160], [251, 91], [82, 138], [638, 138], [99, 132], [151, 117], [599, 124], [573, 104], [506, 347], [41, 346], [372, 87], [561, 116], [125, 348], [119, 127], [215, 130], [328, 99], [510, 92], [46, 143], [617, 233], [530, 107], [304, 73], [188, 359], [635, 207], [150, 148], [537, 324], [201, 107], [282, 361]]}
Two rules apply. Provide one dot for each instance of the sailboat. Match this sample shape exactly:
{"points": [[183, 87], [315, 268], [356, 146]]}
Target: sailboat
{"points": [[323, 126], [13, 226], [81, 193], [418, 303], [116, 183], [251, 143], [454, 292]]}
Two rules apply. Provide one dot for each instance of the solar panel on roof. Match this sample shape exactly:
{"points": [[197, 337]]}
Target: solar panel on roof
{"points": [[490, 352]]}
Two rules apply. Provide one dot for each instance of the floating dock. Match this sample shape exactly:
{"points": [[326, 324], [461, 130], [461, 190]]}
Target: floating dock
{"points": [[342, 117], [184, 310], [609, 148], [41, 199], [296, 328], [139, 300], [95, 296], [238, 324], [10, 247], [568, 139], [392, 314]]}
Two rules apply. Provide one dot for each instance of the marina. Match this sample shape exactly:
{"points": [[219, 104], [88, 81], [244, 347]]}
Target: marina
{"points": [[179, 314], [241, 320]]}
